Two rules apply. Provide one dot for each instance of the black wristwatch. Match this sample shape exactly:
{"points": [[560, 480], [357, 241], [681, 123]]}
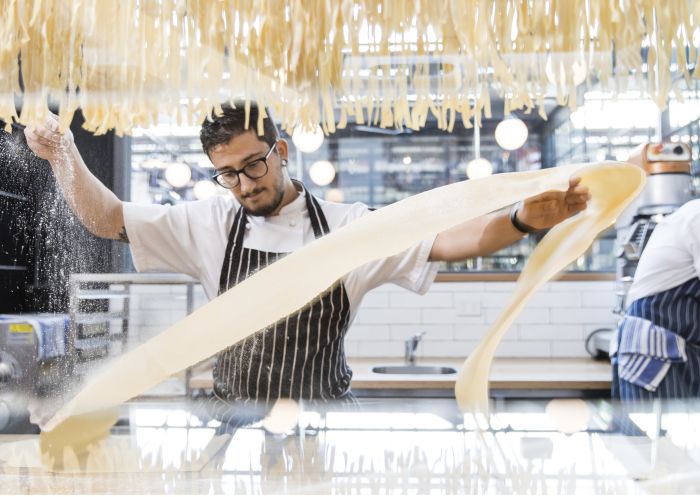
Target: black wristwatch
{"points": [[521, 227]]}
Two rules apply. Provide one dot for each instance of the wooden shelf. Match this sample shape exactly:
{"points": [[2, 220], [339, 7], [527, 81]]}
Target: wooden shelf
{"points": [[513, 276], [507, 373]]}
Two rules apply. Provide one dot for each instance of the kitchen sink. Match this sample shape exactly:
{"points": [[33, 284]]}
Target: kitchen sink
{"points": [[413, 369]]}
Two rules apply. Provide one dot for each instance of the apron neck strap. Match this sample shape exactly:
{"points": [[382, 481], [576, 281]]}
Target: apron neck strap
{"points": [[318, 219]]}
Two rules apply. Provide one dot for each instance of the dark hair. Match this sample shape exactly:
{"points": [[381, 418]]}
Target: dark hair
{"points": [[221, 129]]}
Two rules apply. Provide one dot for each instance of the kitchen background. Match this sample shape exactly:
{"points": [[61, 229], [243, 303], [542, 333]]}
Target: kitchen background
{"points": [[453, 315], [378, 166], [42, 244]]}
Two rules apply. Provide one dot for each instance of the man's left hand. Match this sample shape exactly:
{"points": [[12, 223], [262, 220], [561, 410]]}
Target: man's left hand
{"points": [[547, 209]]}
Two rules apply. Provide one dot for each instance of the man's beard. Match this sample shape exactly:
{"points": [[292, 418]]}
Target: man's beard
{"points": [[266, 210]]}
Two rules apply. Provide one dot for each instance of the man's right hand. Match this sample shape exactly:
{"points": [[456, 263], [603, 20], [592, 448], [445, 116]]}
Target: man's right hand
{"points": [[95, 205], [47, 142]]}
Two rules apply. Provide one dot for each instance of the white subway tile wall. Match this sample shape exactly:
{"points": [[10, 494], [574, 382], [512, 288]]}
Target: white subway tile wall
{"points": [[453, 315]]}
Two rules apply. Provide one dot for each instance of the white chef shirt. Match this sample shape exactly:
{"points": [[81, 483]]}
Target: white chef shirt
{"points": [[672, 255], [191, 238]]}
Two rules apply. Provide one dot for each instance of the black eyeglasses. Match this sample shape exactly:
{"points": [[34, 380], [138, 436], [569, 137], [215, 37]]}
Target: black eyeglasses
{"points": [[253, 170]]}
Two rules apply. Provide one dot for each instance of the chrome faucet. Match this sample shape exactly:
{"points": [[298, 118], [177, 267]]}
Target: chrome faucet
{"points": [[411, 346]]}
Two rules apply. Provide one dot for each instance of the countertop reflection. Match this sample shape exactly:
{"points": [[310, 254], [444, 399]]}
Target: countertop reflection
{"points": [[378, 446]]}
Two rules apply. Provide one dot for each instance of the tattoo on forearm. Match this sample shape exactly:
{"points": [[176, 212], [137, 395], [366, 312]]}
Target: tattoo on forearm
{"points": [[123, 236]]}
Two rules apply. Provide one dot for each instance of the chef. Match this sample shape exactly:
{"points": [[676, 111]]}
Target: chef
{"points": [[223, 240], [656, 350]]}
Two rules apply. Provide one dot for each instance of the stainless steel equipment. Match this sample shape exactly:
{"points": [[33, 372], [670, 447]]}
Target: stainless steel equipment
{"points": [[668, 186], [33, 360], [411, 368], [27, 342]]}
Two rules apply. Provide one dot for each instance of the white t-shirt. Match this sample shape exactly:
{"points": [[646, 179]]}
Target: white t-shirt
{"points": [[672, 255], [191, 238]]}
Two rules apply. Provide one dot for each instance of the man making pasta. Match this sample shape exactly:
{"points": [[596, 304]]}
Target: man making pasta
{"points": [[223, 240]]}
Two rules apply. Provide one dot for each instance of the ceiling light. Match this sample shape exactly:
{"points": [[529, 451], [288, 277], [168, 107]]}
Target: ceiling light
{"points": [[511, 134], [204, 189], [307, 141], [178, 174], [322, 172], [407, 160], [479, 168]]}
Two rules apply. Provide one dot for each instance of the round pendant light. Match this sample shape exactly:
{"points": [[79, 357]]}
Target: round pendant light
{"points": [[511, 134], [178, 174], [479, 168], [322, 172], [204, 189], [307, 141]]}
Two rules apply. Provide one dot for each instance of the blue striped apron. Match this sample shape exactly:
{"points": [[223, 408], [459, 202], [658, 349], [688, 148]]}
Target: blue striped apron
{"points": [[656, 349]]}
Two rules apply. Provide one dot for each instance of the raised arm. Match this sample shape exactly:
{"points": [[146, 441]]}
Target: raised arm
{"points": [[490, 233], [95, 205]]}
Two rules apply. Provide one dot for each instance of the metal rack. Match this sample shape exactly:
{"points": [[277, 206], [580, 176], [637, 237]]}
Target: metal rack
{"points": [[91, 333]]}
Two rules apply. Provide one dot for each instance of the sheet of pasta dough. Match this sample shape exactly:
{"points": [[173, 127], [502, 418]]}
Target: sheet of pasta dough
{"points": [[293, 281], [612, 188]]}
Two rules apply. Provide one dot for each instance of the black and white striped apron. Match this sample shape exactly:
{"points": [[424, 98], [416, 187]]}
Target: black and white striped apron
{"points": [[301, 356], [675, 312]]}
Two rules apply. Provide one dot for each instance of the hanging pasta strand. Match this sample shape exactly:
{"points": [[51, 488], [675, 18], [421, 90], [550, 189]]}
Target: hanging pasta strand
{"points": [[390, 63]]}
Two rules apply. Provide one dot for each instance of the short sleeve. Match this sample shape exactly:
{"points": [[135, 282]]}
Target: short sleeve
{"points": [[410, 269], [691, 236], [160, 238]]}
